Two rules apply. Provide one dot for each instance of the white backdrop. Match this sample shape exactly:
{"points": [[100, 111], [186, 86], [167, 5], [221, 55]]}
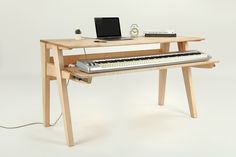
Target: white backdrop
{"points": [[23, 23], [118, 115]]}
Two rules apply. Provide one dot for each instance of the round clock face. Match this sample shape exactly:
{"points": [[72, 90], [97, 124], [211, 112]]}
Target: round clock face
{"points": [[134, 32]]}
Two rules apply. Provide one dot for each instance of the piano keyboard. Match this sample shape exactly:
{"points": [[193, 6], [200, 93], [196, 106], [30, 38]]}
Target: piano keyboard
{"points": [[115, 64]]}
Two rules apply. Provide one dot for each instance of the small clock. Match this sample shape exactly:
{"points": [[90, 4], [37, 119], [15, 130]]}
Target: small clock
{"points": [[134, 31]]}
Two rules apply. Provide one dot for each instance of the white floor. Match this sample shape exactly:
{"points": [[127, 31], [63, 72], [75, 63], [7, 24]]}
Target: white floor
{"points": [[119, 116]]}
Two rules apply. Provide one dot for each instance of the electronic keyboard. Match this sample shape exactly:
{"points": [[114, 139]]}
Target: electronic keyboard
{"points": [[160, 34], [126, 63]]}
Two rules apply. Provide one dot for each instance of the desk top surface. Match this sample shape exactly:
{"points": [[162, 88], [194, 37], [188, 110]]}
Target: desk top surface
{"points": [[90, 42]]}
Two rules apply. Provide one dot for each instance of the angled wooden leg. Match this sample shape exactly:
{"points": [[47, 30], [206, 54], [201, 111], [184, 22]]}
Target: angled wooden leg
{"points": [[62, 87], [162, 85], [189, 91], [45, 55], [162, 76], [183, 46]]}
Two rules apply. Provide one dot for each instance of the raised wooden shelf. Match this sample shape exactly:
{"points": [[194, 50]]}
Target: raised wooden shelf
{"points": [[76, 72]]}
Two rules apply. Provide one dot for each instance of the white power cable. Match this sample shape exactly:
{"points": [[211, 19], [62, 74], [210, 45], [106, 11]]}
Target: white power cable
{"points": [[34, 123]]}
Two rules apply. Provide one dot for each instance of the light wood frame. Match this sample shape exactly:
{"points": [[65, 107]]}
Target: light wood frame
{"points": [[54, 67]]}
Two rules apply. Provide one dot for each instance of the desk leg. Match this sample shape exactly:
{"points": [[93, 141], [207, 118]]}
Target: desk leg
{"points": [[162, 85], [62, 87], [187, 74], [45, 55], [189, 90], [164, 47]]}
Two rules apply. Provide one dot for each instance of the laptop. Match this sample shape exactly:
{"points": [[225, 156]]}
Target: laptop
{"points": [[108, 28]]}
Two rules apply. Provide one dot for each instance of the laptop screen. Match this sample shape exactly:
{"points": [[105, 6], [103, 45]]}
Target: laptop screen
{"points": [[107, 27]]}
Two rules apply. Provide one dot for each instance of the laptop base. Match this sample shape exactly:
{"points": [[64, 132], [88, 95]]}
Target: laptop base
{"points": [[115, 38]]}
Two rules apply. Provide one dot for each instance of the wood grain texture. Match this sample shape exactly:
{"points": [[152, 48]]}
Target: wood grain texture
{"points": [[62, 87], [162, 76], [206, 66], [86, 43], [187, 75], [45, 55]]}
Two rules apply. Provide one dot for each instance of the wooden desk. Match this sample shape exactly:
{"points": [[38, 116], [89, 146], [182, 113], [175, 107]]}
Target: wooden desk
{"points": [[55, 67]]}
